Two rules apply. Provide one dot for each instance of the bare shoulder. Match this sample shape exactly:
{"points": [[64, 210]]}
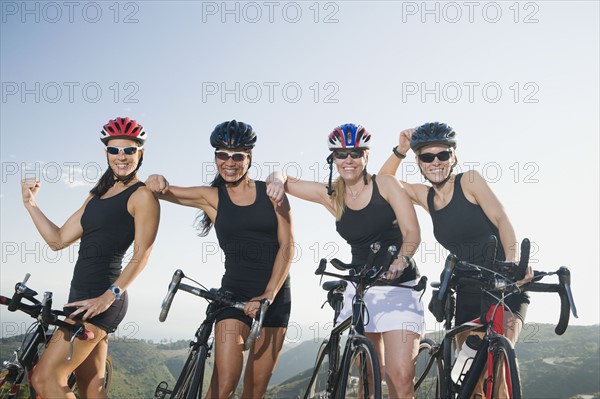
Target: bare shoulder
{"points": [[472, 181], [143, 196]]}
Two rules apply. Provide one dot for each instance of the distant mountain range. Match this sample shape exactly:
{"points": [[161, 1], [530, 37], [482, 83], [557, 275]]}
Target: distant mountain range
{"points": [[552, 367]]}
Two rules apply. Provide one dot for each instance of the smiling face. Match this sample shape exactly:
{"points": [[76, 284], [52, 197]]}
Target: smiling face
{"points": [[350, 163], [438, 169], [121, 163], [230, 164]]}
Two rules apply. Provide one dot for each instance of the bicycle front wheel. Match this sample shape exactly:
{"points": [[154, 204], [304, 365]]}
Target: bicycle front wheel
{"points": [[189, 384], [360, 374], [505, 381], [320, 382], [429, 377]]}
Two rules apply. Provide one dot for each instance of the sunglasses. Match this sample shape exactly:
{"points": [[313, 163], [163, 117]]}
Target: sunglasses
{"points": [[126, 150], [429, 157], [354, 154], [225, 156]]}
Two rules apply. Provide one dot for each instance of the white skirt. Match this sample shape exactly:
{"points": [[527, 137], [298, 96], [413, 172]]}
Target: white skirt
{"points": [[388, 308]]}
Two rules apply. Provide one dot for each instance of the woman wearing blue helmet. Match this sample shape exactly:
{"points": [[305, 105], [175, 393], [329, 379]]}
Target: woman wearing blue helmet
{"points": [[464, 212], [369, 209]]}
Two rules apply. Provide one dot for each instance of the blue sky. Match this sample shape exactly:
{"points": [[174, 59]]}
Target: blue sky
{"points": [[517, 80]]}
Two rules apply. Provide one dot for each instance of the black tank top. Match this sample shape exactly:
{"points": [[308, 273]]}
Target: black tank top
{"points": [[248, 237], [462, 227], [376, 222], [108, 231]]}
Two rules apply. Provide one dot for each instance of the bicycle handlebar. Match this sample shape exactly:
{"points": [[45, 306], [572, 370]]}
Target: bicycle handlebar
{"points": [[176, 285], [502, 277], [42, 311]]}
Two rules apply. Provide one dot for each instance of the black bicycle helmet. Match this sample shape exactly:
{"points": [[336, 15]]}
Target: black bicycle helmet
{"points": [[433, 133], [233, 134]]}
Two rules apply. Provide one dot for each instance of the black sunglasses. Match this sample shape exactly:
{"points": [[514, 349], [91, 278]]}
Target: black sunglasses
{"points": [[127, 150], [354, 154], [429, 157], [225, 155]]}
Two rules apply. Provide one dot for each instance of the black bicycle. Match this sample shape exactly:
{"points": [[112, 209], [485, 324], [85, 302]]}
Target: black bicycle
{"points": [[191, 379], [16, 372], [495, 359], [357, 373]]}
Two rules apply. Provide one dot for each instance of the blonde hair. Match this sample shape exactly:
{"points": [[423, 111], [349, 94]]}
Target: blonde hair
{"points": [[339, 187]]}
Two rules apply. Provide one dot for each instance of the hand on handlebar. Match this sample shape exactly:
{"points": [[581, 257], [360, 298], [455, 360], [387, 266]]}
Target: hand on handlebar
{"points": [[528, 277], [396, 269], [253, 306]]}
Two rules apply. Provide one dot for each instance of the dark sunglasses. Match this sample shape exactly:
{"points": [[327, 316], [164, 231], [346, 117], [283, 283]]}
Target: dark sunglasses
{"points": [[429, 157], [126, 150], [354, 154], [225, 156]]}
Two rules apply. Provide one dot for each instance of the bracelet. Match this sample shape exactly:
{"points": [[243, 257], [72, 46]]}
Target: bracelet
{"points": [[398, 153]]}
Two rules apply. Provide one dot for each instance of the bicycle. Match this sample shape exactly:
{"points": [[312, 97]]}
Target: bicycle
{"points": [[357, 373], [495, 356], [17, 370], [190, 381]]}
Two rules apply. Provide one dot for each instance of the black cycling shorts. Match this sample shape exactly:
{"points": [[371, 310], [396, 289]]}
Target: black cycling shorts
{"points": [[278, 314], [468, 306], [108, 320]]}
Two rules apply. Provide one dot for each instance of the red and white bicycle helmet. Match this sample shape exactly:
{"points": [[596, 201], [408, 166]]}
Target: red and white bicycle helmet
{"points": [[349, 136], [123, 128]]}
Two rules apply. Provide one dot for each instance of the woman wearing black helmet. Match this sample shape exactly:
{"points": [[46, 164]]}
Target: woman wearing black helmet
{"points": [[369, 209], [255, 235], [464, 212], [118, 212]]}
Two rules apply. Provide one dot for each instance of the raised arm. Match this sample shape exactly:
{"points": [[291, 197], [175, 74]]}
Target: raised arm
{"points": [[56, 237], [277, 182], [390, 167], [144, 208], [406, 217], [479, 192], [284, 256]]}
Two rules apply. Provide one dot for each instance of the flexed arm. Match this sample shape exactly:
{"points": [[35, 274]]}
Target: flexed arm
{"points": [[56, 237]]}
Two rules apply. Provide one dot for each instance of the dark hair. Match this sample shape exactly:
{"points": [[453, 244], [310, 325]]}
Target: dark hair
{"points": [[109, 179], [203, 222]]}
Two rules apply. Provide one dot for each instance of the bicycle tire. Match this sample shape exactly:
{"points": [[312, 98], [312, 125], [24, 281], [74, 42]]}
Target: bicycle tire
{"points": [[429, 371], [317, 386], [10, 383], [505, 361], [190, 381], [362, 352]]}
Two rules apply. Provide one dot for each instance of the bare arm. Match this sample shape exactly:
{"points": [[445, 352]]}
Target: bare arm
{"points": [[283, 258], [201, 197], [144, 208], [400, 202], [478, 191], [56, 237], [303, 189]]}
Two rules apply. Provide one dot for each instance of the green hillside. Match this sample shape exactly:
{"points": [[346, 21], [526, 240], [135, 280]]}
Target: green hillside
{"points": [[552, 367]]}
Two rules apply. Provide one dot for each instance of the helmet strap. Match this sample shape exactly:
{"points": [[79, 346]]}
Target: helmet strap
{"points": [[330, 190], [126, 179]]}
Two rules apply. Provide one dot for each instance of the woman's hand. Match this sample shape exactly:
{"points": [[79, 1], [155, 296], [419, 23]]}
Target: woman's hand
{"points": [[276, 190], [29, 188], [396, 269], [528, 277], [404, 140], [157, 184], [89, 308], [253, 305]]}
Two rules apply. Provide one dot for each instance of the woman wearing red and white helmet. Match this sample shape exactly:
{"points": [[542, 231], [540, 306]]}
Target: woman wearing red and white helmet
{"points": [[118, 212], [370, 209]]}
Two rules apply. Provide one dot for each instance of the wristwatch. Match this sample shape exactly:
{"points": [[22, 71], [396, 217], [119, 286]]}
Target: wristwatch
{"points": [[405, 258], [117, 291]]}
